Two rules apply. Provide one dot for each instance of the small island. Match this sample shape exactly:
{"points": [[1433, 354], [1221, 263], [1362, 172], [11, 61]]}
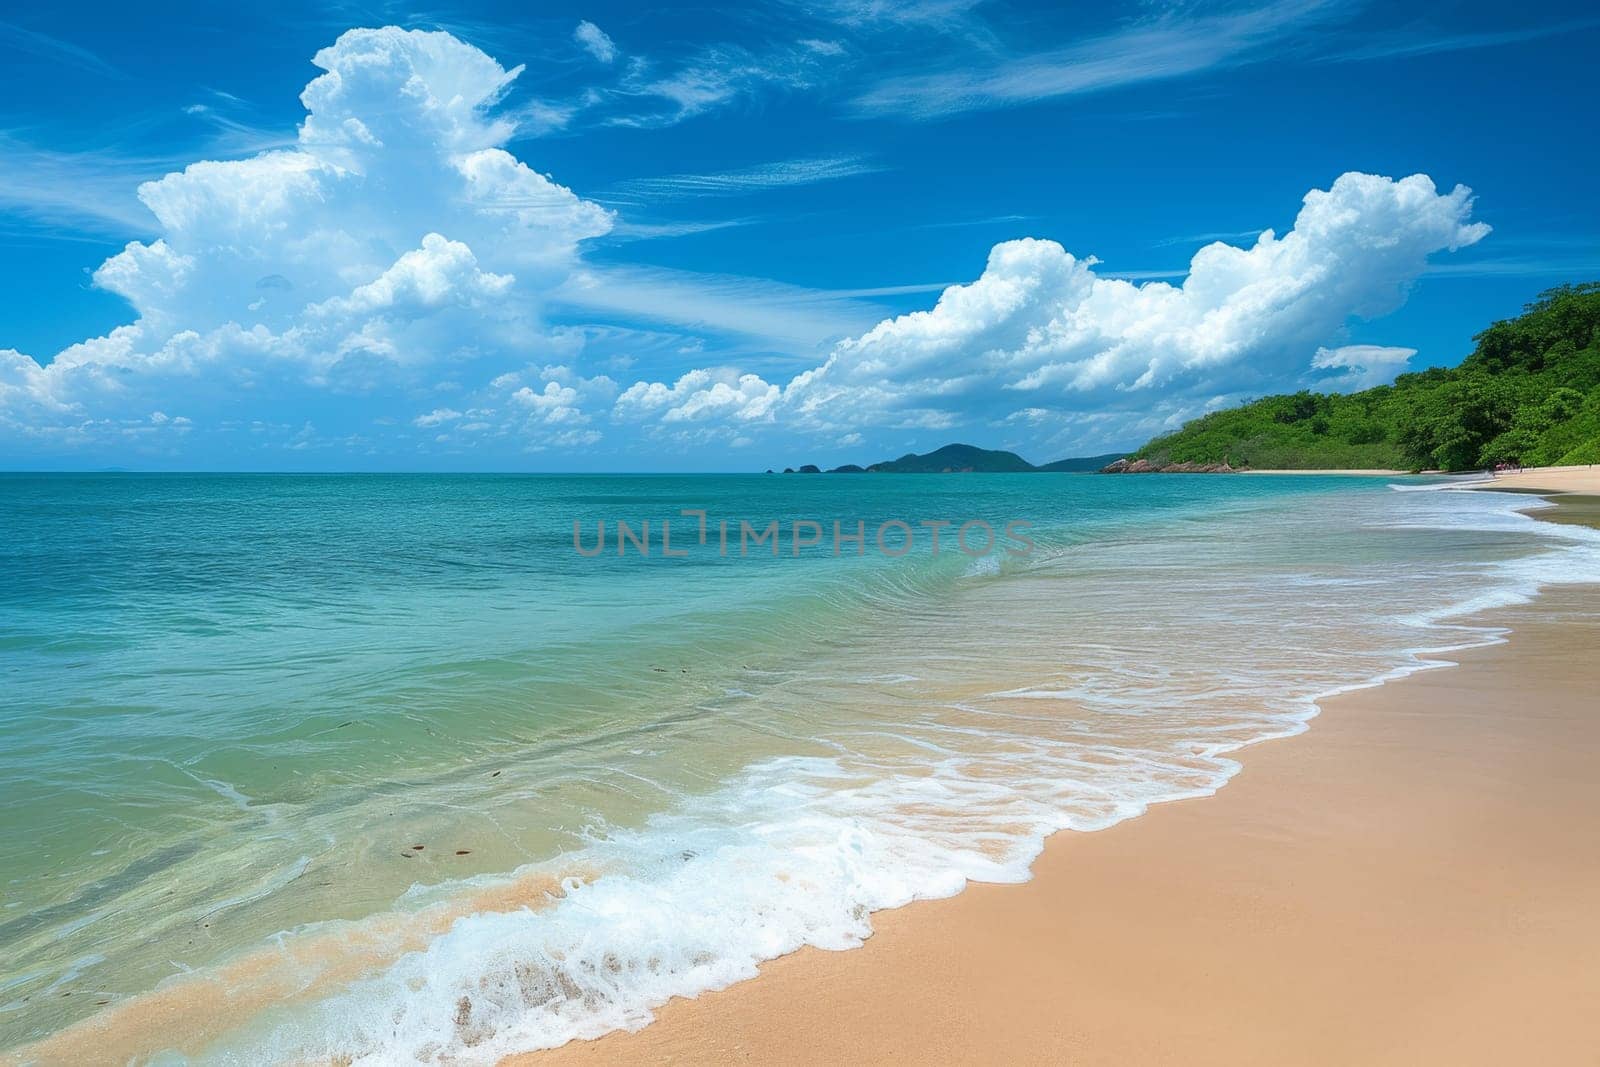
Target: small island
{"points": [[966, 459]]}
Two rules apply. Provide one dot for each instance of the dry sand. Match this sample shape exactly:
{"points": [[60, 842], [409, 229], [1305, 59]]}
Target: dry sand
{"points": [[1415, 881], [1531, 479], [1550, 479]]}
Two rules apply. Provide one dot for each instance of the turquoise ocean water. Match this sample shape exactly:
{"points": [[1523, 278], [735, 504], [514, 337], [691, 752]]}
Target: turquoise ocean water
{"points": [[381, 769]]}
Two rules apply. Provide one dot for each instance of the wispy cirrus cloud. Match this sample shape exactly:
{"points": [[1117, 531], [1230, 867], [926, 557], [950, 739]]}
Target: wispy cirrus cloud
{"points": [[595, 41], [1415, 42], [954, 19], [54, 49], [1520, 267], [747, 180], [713, 77], [895, 290], [95, 190], [92, 191], [1184, 42], [626, 230], [1165, 47], [1206, 238], [992, 220], [783, 318], [896, 12], [233, 137]]}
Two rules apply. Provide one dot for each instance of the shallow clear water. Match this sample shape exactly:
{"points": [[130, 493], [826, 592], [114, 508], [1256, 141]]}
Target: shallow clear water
{"points": [[382, 768]]}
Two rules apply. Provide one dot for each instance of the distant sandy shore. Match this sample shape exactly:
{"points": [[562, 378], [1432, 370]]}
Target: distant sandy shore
{"points": [[1531, 479], [1415, 881], [1549, 479]]}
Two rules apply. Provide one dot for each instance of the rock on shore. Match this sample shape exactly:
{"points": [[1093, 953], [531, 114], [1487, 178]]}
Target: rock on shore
{"points": [[1144, 466]]}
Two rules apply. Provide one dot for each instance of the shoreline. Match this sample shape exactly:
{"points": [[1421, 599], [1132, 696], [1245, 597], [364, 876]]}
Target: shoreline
{"points": [[921, 1000], [1533, 480], [1546, 480], [1352, 472], [1408, 882]]}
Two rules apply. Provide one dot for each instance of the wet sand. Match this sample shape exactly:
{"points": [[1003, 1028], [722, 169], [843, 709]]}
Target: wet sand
{"points": [[1414, 881]]}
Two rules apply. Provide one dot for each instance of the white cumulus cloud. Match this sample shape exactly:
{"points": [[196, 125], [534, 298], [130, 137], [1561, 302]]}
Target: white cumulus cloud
{"points": [[397, 232], [1350, 368], [559, 395], [436, 417], [1041, 339], [1041, 329], [701, 395]]}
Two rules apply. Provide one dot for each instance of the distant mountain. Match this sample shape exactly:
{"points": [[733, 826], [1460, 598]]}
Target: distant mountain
{"points": [[969, 459], [955, 459], [1082, 464]]}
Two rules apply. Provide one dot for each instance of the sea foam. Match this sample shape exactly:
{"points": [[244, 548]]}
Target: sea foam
{"points": [[1118, 676], [802, 851]]}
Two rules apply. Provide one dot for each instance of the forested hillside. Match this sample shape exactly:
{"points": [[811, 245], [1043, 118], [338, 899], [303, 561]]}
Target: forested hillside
{"points": [[1529, 394]]}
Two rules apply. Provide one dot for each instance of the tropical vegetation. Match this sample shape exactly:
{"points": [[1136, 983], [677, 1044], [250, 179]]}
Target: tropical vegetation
{"points": [[1529, 395]]}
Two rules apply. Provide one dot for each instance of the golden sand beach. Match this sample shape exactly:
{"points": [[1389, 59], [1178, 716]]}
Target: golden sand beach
{"points": [[1551, 479], [1532, 479], [1416, 880]]}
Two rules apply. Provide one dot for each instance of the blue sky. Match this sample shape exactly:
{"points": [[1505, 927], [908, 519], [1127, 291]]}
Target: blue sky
{"points": [[715, 238]]}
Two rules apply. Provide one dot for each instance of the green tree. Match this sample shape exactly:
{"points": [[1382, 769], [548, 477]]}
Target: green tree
{"points": [[1528, 393]]}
